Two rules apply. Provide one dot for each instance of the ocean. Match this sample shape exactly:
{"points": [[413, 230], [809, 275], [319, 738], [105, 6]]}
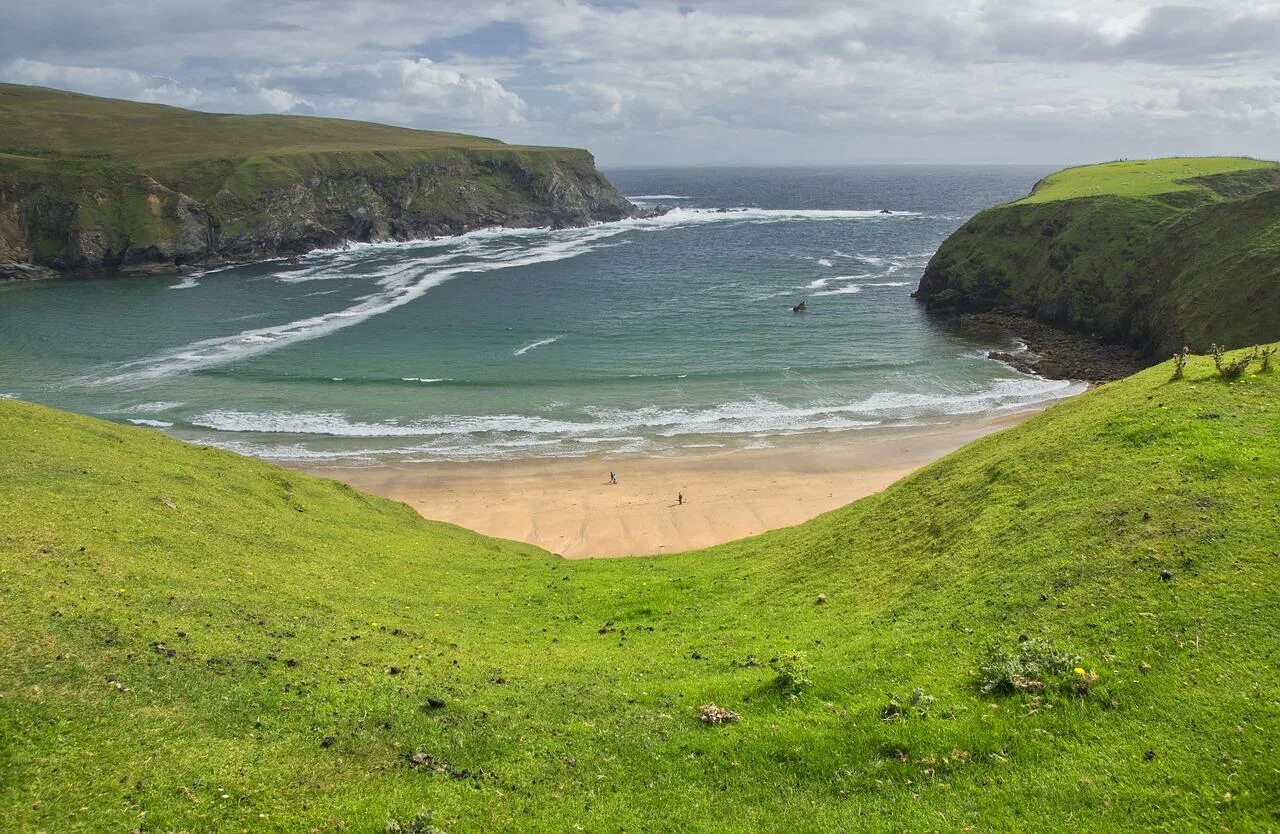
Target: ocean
{"points": [[657, 336]]}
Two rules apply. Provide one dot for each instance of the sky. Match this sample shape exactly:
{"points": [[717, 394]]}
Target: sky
{"points": [[728, 82]]}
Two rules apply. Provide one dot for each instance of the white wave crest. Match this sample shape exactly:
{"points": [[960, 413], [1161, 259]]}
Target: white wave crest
{"points": [[152, 407], [186, 283], [522, 351], [156, 424], [398, 288], [755, 416], [822, 282]]}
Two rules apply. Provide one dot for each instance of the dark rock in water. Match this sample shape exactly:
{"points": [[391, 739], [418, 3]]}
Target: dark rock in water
{"points": [[1051, 352], [885, 211], [799, 308]]}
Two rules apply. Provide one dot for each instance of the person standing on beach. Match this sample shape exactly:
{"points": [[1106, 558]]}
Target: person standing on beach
{"points": [[679, 499], [613, 479]]}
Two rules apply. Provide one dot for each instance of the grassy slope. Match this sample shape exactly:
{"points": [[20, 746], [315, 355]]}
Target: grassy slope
{"points": [[572, 686], [36, 121], [1137, 252]]}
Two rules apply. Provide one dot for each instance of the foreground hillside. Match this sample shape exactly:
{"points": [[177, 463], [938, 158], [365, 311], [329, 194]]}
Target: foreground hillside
{"points": [[191, 640], [88, 182], [1155, 254]]}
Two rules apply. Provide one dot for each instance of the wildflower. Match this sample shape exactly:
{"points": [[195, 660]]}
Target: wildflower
{"points": [[1079, 671]]}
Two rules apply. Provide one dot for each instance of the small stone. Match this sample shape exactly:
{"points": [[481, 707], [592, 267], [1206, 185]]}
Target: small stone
{"points": [[435, 703], [394, 670], [822, 599], [712, 714], [1149, 755], [1166, 575], [328, 742], [291, 663]]}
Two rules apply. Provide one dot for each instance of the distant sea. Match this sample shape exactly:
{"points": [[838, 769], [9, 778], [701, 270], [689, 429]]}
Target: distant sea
{"points": [[655, 337]]}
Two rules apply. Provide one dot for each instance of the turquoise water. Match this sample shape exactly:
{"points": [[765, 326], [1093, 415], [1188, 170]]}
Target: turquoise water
{"points": [[648, 336]]}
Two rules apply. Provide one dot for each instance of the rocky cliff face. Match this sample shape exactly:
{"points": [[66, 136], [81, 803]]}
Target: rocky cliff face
{"points": [[82, 215], [1155, 274]]}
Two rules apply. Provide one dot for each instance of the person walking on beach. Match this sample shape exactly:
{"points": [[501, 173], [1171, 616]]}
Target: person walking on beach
{"points": [[613, 479]]}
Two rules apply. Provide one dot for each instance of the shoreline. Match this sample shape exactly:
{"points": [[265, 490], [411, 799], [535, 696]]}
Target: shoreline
{"points": [[1053, 351], [568, 507]]}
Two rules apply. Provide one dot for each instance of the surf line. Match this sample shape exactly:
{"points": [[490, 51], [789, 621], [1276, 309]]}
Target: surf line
{"points": [[522, 351]]}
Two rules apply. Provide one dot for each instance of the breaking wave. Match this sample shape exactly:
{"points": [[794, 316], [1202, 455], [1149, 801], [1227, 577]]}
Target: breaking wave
{"points": [[486, 435], [419, 269]]}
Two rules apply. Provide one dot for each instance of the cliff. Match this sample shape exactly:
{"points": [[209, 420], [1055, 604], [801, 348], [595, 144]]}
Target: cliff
{"points": [[89, 183], [1153, 254]]}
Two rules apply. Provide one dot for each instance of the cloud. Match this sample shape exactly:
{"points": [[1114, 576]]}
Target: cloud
{"points": [[710, 81]]}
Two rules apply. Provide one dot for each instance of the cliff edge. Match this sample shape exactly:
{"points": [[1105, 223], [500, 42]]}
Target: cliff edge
{"points": [[91, 183], [1153, 254]]}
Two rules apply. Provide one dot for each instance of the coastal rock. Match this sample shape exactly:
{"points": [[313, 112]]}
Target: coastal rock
{"points": [[71, 204]]}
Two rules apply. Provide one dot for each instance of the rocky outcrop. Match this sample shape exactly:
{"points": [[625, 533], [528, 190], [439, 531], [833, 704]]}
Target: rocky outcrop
{"points": [[1154, 274], [60, 215]]}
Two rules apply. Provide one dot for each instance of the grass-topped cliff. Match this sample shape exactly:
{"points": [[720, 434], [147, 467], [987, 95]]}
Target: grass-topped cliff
{"points": [[89, 182], [1151, 253], [192, 640]]}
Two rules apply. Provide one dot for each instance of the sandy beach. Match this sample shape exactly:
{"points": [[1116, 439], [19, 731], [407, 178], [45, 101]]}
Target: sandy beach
{"points": [[569, 507]]}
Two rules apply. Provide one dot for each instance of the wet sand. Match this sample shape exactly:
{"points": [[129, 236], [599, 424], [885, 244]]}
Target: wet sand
{"points": [[568, 506]]}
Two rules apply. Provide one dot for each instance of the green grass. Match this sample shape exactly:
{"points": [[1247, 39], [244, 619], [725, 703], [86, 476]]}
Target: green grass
{"points": [[571, 687], [1139, 178]]}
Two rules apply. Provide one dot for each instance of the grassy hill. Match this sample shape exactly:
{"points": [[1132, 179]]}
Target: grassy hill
{"points": [[89, 182], [1151, 253], [192, 640], [48, 124], [1141, 178]]}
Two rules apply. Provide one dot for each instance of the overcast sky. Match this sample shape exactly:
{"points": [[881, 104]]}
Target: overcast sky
{"points": [[714, 82]]}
